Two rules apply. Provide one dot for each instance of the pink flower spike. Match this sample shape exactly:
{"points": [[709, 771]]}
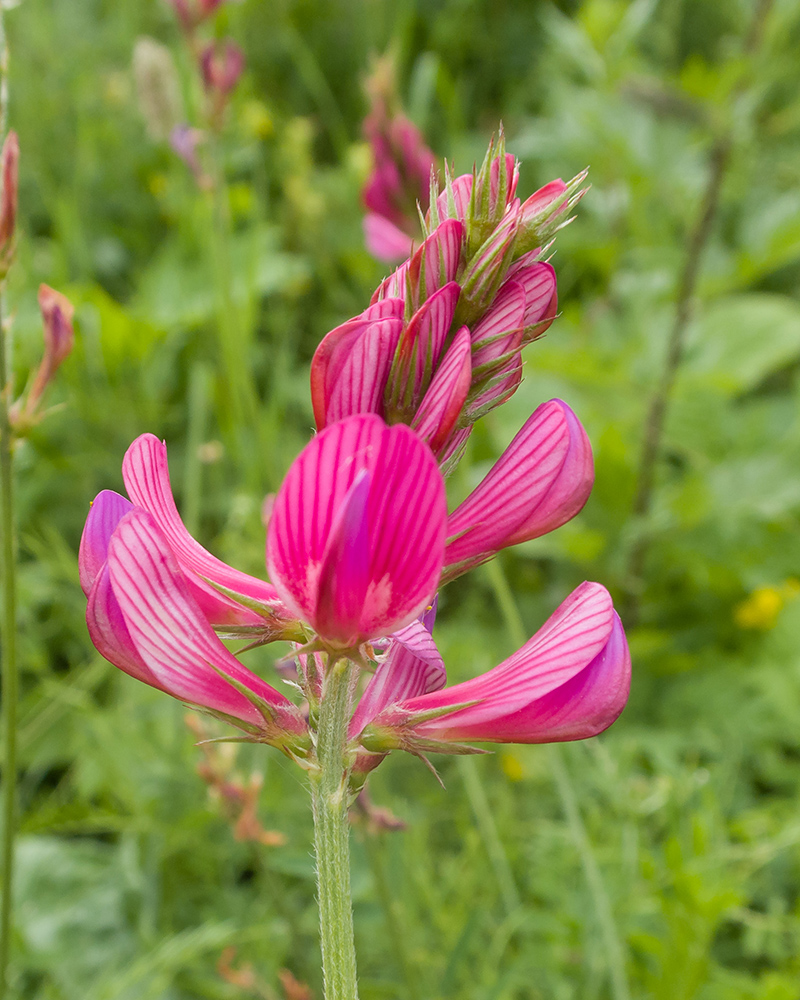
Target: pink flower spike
{"points": [[570, 681], [361, 382], [173, 639], [540, 482], [107, 510], [385, 241], [405, 521], [146, 476], [440, 408]]}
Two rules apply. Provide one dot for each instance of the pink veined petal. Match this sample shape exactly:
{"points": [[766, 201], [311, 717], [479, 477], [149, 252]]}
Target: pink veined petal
{"points": [[168, 629], [146, 476], [405, 514], [506, 316], [572, 640], [413, 667], [542, 199], [362, 381], [452, 451], [541, 480], [385, 309], [328, 361], [461, 191], [432, 266], [511, 166], [109, 633], [344, 572], [384, 240], [420, 346], [441, 406], [107, 510], [541, 298]]}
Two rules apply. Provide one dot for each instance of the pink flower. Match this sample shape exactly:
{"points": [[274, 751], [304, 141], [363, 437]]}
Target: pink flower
{"points": [[570, 681], [9, 167], [221, 65], [356, 538]]}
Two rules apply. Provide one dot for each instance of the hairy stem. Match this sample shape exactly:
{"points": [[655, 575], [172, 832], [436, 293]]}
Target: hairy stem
{"points": [[329, 794]]}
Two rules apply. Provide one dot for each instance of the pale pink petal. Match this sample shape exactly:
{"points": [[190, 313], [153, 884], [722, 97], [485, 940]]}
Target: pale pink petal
{"points": [[442, 404], [361, 383], [107, 510], [541, 480], [542, 199], [385, 241], [146, 475], [168, 629], [567, 682], [404, 515]]}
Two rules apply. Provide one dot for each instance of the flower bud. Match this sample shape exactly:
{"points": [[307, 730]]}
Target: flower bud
{"points": [[9, 164], [221, 65]]}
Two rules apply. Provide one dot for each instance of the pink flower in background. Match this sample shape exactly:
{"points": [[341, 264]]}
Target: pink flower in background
{"points": [[221, 64], [401, 172], [9, 168]]}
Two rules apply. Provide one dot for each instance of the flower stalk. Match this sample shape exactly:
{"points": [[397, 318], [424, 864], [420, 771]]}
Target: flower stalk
{"points": [[330, 798]]}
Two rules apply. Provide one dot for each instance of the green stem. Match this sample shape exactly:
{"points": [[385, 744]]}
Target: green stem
{"points": [[569, 804], [329, 794], [199, 381]]}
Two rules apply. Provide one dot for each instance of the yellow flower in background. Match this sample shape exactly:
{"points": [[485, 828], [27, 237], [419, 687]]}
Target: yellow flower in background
{"points": [[256, 119], [512, 767], [761, 609]]}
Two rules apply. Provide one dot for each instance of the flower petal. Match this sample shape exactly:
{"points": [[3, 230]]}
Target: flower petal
{"points": [[146, 475], [541, 480], [168, 629], [386, 241], [405, 514], [441, 406], [360, 385], [107, 510], [570, 680]]}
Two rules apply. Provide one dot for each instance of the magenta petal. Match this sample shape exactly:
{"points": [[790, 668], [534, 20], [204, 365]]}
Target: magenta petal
{"points": [[109, 633], [344, 573], [539, 283], [107, 510], [168, 629], [146, 475], [385, 241], [569, 681], [405, 520], [461, 189], [362, 380], [541, 480], [442, 404], [500, 330], [413, 667]]}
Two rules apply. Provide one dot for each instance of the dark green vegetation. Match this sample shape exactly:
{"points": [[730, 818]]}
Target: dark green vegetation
{"points": [[680, 877]]}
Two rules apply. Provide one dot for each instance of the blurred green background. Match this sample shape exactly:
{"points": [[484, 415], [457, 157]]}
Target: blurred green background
{"points": [[661, 860]]}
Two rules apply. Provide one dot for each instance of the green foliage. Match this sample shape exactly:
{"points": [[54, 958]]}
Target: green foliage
{"points": [[130, 881]]}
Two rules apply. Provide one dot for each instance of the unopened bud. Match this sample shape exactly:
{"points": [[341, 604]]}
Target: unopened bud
{"points": [[8, 206]]}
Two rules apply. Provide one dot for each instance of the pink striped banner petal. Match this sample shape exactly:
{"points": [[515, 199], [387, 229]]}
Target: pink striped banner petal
{"points": [[361, 383], [405, 520], [442, 404], [506, 317]]}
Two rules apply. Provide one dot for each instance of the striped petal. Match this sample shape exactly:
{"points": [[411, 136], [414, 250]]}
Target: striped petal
{"points": [[431, 267], [436, 416], [362, 380], [170, 632], [405, 515], [146, 475], [541, 296], [413, 667], [500, 330], [107, 510], [541, 480], [569, 681]]}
